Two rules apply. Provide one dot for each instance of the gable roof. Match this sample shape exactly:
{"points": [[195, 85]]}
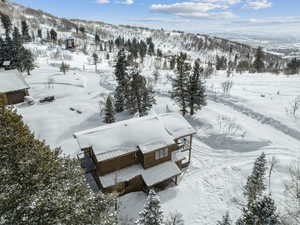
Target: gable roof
{"points": [[147, 133], [176, 125], [12, 80]]}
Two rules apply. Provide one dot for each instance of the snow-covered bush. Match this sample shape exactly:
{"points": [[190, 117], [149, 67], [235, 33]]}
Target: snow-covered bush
{"points": [[226, 87], [294, 107], [175, 219], [229, 128], [152, 213]]}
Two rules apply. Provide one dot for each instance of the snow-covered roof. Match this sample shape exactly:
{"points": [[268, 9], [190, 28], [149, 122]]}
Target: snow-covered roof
{"points": [[12, 80], [109, 141], [159, 173], [151, 176], [176, 125], [147, 134]]}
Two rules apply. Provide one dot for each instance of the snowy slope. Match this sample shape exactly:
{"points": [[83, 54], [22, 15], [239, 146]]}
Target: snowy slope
{"points": [[221, 161]]}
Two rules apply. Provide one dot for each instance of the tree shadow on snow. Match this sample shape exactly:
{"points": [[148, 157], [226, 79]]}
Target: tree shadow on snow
{"points": [[221, 142]]}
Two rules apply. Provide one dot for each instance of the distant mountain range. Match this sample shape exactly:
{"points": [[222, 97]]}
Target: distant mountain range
{"points": [[286, 45]]}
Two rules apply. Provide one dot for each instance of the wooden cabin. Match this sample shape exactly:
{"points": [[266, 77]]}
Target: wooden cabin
{"points": [[13, 87], [70, 43], [137, 154]]}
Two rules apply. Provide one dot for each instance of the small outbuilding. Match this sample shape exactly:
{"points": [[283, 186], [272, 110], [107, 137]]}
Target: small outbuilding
{"points": [[70, 43], [13, 87]]}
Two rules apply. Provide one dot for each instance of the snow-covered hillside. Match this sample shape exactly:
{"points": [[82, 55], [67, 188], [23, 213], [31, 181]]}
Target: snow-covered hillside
{"points": [[232, 130], [221, 159], [200, 46]]}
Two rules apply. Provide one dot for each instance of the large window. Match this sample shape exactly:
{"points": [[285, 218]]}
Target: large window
{"points": [[161, 154]]}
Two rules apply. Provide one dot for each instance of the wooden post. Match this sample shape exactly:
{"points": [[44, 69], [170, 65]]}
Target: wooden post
{"points": [[190, 150]]}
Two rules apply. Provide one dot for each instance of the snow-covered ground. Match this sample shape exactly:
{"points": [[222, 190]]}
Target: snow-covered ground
{"points": [[222, 157]]}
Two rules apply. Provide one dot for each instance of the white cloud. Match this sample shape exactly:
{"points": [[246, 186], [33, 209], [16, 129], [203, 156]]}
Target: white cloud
{"points": [[127, 2], [206, 9], [270, 21], [230, 2], [158, 19], [103, 1], [186, 7], [256, 5]]}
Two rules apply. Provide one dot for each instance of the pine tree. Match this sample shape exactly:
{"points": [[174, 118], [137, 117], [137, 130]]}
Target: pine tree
{"points": [[95, 58], [258, 63], [25, 31], [152, 213], [139, 98], [172, 62], [6, 23], [40, 186], [64, 68], [109, 111], [256, 181], [28, 60], [180, 83], [40, 34], [122, 79], [196, 89], [225, 220], [97, 40], [148, 99], [263, 212], [260, 208], [53, 35]]}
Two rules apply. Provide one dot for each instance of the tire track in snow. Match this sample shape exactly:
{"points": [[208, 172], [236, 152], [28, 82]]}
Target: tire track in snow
{"points": [[255, 115]]}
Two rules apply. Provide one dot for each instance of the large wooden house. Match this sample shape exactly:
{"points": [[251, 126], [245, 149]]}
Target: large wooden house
{"points": [[13, 87], [137, 154]]}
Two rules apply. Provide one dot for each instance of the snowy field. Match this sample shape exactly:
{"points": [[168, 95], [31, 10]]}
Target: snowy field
{"points": [[231, 131]]}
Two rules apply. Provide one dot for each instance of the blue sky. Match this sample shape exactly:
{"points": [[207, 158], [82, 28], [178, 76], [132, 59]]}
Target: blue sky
{"points": [[204, 16]]}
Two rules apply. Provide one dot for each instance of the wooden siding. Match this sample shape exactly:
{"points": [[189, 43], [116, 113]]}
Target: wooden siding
{"points": [[16, 97], [3, 99], [134, 185], [108, 166], [150, 161]]}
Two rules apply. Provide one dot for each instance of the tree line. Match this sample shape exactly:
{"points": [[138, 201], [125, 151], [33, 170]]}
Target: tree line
{"points": [[12, 49]]}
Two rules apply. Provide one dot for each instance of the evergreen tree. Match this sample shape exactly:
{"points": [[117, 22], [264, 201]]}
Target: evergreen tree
{"points": [[27, 60], [256, 181], [119, 99], [6, 23], [196, 89], [263, 212], [293, 66], [258, 63], [109, 111], [260, 208], [152, 213], [97, 40], [139, 98], [40, 34], [64, 67], [172, 62], [53, 35], [95, 58], [225, 220], [180, 83], [40, 186], [122, 79], [25, 31]]}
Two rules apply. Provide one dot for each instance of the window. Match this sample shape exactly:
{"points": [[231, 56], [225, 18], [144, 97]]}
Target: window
{"points": [[161, 154]]}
